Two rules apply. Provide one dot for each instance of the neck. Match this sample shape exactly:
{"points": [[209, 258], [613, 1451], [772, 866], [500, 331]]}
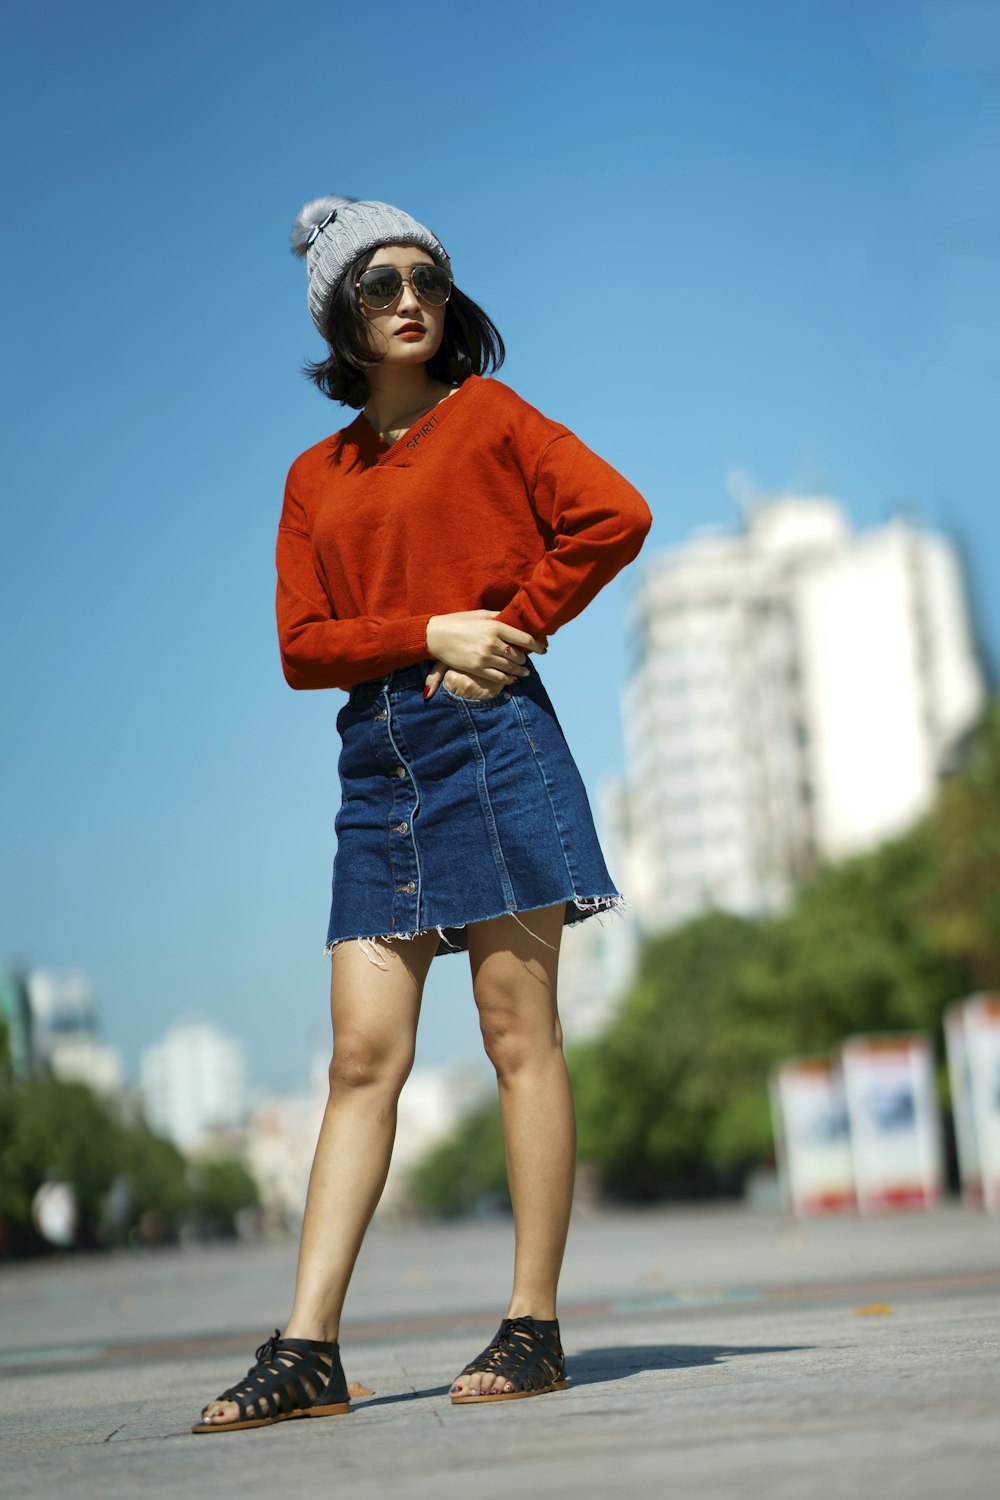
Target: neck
{"points": [[396, 393]]}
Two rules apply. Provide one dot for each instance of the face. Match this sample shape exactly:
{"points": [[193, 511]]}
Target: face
{"points": [[408, 331]]}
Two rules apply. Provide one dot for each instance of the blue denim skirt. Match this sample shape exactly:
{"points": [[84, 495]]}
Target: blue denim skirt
{"points": [[456, 810]]}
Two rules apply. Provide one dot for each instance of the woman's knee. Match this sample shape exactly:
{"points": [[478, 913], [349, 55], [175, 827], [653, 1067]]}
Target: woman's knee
{"points": [[361, 1062], [516, 1035]]}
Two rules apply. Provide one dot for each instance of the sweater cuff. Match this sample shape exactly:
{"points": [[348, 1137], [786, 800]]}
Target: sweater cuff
{"points": [[407, 638], [520, 614]]}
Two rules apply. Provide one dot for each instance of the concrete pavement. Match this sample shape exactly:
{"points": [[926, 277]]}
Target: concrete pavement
{"points": [[712, 1352]]}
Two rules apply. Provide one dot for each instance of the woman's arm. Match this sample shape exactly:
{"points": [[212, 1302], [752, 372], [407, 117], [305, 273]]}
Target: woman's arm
{"points": [[318, 651], [598, 523]]}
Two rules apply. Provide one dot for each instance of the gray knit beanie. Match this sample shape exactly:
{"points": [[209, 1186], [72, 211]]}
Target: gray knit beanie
{"points": [[330, 232]]}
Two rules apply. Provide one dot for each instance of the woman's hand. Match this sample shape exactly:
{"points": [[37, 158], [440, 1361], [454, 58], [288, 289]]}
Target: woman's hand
{"points": [[462, 684], [471, 655]]}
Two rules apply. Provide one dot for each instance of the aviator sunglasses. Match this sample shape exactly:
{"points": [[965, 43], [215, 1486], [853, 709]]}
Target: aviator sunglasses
{"points": [[381, 286]]}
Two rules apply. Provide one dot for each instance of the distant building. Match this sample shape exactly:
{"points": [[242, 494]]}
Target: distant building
{"points": [[87, 1060], [280, 1142], [598, 957], [193, 1082], [65, 1033], [797, 692], [15, 1016], [62, 1005], [280, 1139], [430, 1108]]}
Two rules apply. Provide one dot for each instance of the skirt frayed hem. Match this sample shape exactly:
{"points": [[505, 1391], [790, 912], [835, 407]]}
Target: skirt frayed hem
{"points": [[585, 906]]}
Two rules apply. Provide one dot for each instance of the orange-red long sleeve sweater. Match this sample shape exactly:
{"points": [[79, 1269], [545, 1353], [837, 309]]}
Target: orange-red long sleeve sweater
{"points": [[483, 504]]}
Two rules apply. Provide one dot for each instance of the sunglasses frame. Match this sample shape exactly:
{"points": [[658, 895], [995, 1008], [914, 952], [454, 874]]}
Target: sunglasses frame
{"points": [[403, 279]]}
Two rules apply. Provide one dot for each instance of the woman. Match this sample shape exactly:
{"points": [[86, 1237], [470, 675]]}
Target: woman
{"points": [[424, 553]]}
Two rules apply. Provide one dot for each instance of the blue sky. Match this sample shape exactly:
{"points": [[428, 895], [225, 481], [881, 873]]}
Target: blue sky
{"points": [[754, 236]]}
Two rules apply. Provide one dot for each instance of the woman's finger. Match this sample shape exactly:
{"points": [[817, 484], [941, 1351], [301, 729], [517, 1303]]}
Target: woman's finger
{"points": [[520, 640], [510, 662], [491, 674], [434, 678], [509, 634]]}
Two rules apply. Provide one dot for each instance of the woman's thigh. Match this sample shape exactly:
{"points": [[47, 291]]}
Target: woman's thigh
{"points": [[375, 1008], [514, 970]]}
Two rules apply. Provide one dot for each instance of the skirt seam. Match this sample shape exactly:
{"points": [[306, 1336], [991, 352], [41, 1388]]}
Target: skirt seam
{"points": [[482, 787], [545, 783]]}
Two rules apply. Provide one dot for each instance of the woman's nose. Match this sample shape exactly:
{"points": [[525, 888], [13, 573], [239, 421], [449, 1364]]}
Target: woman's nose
{"points": [[408, 299]]}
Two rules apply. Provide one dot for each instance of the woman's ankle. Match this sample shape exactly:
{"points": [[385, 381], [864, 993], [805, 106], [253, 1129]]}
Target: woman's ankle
{"points": [[318, 1329], [542, 1310]]}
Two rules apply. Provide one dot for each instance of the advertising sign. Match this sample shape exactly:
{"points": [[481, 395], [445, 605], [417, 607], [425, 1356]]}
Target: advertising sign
{"points": [[811, 1136], [962, 1108], [894, 1128], [972, 1030]]}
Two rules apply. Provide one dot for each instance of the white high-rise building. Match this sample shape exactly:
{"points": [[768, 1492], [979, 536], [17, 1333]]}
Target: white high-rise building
{"points": [[193, 1081], [797, 692]]}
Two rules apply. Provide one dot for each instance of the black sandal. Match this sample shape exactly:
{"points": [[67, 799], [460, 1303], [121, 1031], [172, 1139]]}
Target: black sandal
{"points": [[292, 1378], [526, 1352]]}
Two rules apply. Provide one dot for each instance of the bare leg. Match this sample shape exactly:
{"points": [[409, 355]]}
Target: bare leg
{"points": [[374, 1015], [514, 981]]}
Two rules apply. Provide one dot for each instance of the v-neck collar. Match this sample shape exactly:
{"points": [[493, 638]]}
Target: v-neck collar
{"points": [[374, 450]]}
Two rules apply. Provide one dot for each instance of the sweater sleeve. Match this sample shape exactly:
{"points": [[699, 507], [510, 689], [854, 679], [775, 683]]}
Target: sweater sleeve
{"points": [[319, 651], [598, 524]]}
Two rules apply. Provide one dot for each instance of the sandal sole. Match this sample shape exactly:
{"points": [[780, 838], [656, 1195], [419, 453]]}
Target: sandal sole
{"points": [[558, 1385], [284, 1416]]}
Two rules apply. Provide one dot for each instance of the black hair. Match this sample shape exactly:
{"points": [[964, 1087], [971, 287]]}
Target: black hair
{"points": [[471, 344]]}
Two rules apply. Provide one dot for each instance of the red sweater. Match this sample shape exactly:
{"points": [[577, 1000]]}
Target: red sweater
{"points": [[483, 504]]}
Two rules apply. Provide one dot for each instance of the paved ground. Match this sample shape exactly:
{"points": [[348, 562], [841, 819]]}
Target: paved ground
{"points": [[713, 1353]]}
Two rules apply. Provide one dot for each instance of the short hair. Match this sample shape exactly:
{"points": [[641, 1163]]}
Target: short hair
{"points": [[471, 344]]}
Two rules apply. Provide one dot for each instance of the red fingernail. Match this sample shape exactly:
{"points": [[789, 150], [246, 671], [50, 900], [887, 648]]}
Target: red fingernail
{"points": [[427, 692]]}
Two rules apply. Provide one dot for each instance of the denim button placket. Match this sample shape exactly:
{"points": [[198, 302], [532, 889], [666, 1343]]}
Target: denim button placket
{"points": [[403, 853]]}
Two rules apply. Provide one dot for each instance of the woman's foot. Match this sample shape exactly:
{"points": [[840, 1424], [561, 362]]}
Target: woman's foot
{"points": [[291, 1378], [525, 1359]]}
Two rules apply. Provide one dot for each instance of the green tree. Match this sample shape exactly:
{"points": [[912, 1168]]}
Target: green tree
{"points": [[680, 1056], [51, 1129], [6, 1060], [156, 1176], [219, 1189], [54, 1129], [466, 1169], [957, 904]]}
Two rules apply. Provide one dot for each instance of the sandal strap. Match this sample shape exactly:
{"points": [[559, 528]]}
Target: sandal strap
{"points": [[524, 1352], [289, 1375]]}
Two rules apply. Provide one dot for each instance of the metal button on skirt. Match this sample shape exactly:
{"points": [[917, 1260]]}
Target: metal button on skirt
{"points": [[457, 810]]}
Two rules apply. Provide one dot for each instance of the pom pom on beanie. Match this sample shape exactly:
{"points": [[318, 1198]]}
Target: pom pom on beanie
{"points": [[311, 218]]}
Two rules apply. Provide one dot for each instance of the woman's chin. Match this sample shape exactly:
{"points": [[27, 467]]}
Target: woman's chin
{"points": [[406, 358]]}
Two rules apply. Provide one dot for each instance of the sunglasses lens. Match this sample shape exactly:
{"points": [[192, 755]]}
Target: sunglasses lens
{"points": [[380, 287], [432, 284]]}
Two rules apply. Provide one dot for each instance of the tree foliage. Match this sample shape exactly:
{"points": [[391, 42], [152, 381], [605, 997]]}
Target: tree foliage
{"points": [[220, 1189], [958, 903], [468, 1170], [129, 1184]]}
